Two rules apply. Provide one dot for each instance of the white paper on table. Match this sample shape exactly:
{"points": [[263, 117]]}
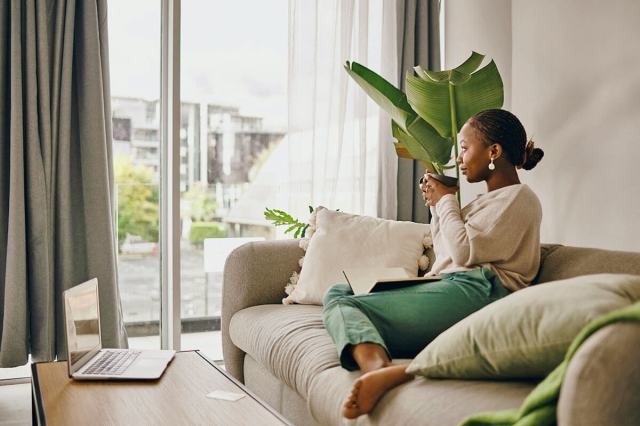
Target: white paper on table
{"points": [[225, 396]]}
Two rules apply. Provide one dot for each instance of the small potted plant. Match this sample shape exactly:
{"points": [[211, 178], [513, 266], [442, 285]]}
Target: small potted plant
{"points": [[425, 121]]}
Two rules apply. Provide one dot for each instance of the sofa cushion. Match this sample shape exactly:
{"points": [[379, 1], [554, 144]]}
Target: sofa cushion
{"points": [[291, 343], [602, 383], [424, 402], [561, 262], [343, 240], [289, 340], [274, 392], [527, 333]]}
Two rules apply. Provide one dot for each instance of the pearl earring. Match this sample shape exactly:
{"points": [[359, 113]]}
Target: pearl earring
{"points": [[491, 165]]}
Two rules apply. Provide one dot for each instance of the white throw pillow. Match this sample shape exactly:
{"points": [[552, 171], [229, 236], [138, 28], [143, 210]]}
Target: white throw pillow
{"points": [[341, 240]]}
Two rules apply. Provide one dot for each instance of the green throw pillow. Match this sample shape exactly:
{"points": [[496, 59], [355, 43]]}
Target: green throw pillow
{"points": [[526, 334]]}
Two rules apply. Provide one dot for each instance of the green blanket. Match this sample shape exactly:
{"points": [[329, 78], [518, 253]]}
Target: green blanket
{"points": [[539, 408]]}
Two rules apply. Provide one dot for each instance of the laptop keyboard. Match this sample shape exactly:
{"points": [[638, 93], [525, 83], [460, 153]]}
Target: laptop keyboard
{"points": [[112, 363]]}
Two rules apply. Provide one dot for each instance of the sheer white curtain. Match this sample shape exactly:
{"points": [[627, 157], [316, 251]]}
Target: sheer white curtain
{"points": [[340, 150]]}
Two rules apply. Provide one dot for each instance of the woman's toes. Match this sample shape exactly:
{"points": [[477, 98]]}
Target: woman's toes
{"points": [[350, 408]]}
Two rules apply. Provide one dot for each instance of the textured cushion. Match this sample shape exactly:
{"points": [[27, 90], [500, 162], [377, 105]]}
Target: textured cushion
{"points": [[562, 262], [602, 382], [527, 333], [290, 340], [423, 402], [344, 240], [274, 392]]}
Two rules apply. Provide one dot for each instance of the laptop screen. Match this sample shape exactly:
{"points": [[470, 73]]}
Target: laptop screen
{"points": [[82, 324]]}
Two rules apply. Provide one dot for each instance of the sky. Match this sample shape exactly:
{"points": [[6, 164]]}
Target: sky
{"points": [[233, 52]]}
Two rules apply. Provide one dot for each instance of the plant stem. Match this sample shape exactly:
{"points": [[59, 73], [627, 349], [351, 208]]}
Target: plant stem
{"points": [[454, 137]]}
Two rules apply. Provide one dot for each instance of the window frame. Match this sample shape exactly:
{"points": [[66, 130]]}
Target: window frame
{"points": [[170, 321]]}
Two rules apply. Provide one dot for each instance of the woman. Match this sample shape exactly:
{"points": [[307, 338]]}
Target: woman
{"points": [[485, 251]]}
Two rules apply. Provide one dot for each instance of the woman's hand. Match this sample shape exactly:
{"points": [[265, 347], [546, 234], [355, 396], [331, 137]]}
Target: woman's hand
{"points": [[433, 190]]}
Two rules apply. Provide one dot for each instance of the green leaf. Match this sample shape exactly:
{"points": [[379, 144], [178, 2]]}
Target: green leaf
{"points": [[297, 232], [280, 218], [471, 64], [439, 148], [415, 148], [453, 76], [431, 101], [385, 94], [268, 214], [304, 231], [429, 147], [401, 149], [310, 209], [483, 91], [458, 78], [291, 228], [437, 76], [431, 167], [284, 215], [467, 67]]}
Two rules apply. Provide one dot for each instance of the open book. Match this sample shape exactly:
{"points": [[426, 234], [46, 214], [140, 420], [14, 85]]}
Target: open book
{"points": [[369, 280]]}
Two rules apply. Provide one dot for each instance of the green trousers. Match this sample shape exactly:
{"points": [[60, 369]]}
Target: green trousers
{"points": [[404, 320]]}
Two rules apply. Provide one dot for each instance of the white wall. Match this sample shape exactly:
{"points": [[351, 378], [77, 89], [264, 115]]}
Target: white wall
{"points": [[574, 81], [485, 27]]}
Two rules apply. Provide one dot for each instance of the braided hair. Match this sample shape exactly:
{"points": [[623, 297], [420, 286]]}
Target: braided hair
{"points": [[502, 127]]}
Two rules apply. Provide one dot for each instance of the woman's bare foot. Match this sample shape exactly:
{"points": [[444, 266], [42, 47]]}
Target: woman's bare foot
{"points": [[370, 356], [370, 387]]}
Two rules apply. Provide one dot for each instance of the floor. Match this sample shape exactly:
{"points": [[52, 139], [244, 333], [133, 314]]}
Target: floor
{"points": [[15, 404], [15, 398]]}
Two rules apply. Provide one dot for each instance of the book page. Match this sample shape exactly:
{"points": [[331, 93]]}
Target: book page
{"points": [[363, 280]]}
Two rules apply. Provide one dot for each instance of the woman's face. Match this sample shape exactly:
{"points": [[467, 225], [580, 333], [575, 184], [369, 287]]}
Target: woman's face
{"points": [[474, 156]]}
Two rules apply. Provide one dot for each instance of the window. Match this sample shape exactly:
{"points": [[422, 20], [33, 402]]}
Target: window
{"points": [[134, 49], [232, 120], [233, 116]]}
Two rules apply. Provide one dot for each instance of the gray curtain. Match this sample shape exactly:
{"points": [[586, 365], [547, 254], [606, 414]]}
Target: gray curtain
{"points": [[418, 44], [56, 179]]}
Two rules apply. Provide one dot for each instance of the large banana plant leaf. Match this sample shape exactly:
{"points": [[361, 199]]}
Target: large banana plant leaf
{"points": [[467, 67], [409, 147], [391, 99], [438, 147], [483, 91], [416, 138], [455, 95]]}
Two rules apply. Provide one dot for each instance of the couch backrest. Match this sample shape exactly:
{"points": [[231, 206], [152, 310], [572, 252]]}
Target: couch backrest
{"points": [[559, 262]]}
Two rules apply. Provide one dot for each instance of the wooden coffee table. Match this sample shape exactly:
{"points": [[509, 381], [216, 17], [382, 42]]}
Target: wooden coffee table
{"points": [[177, 398]]}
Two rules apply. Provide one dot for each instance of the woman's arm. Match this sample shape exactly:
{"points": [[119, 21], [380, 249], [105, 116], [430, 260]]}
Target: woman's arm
{"points": [[452, 226], [492, 234], [426, 191], [434, 223]]}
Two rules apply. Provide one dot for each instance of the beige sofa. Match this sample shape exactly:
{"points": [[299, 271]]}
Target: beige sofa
{"points": [[284, 355]]}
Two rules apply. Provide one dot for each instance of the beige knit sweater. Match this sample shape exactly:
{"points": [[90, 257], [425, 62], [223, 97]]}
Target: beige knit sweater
{"points": [[499, 230]]}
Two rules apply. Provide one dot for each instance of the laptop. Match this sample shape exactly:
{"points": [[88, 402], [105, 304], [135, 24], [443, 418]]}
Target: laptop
{"points": [[86, 359]]}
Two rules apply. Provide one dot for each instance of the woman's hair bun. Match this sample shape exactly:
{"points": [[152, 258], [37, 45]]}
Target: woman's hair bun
{"points": [[533, 155]]}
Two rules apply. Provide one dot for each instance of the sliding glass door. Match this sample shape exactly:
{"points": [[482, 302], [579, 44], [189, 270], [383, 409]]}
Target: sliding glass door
{"points": [[222, 151], [232, 130], [134, 48]]}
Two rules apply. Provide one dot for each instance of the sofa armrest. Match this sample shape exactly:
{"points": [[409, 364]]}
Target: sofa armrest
{"points": [[254, 274], [602, 382]]}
